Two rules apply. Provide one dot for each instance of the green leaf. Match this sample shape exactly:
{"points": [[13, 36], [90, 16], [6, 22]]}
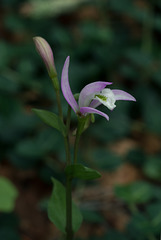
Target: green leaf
{"points": [[105, 159], [154, 213], [81, 172], [8, 194], [140, 225], [92, 216], [51, 119], [57, 208], [136, 157], [137, 192], [152, 167], [152, 120], [9, 234]]}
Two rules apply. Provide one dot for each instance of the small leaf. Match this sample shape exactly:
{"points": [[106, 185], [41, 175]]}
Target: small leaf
{"points": [[81, 172], [51, 119], [57, 209], [8, 194]]}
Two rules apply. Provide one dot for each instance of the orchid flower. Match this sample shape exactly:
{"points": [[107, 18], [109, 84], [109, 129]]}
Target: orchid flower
{"points": [[92, 95]]}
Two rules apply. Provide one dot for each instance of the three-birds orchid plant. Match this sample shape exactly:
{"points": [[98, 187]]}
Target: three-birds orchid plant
{"points": [[61, 210]]}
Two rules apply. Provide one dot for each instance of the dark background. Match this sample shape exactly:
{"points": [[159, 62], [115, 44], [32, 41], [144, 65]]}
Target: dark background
{"points": [[108, 40]]}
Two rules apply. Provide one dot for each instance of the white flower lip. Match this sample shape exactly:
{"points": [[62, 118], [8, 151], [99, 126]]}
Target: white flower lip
{"points": [[107, 98]]}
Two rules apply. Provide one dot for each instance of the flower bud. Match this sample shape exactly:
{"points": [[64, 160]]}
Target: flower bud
{"points": [[46, 54]]}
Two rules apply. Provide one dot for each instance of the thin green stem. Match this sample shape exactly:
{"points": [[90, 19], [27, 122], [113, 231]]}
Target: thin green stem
{"points": [[66, 139], [80, 129], [69, 231], [67, 150], [76, 144], [57, 90], [147, 36], [59, 104], [68, 119], [147, 39]]}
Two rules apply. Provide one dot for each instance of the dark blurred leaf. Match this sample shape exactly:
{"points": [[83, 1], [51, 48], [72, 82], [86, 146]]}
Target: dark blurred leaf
{"points": [[141, 226], [136, 157], [112, 234], [151, 110], [26, 67], [9, 105], [117, 127], [128, 71], [106, 160], [9, 234], [21, 161], [13, 128], [154, 213], [157, 76], [29, 148], [91, 216], [4, 49], [53, 7], [157, 21], [9, 220], [135, 193], [8, 193], [89, 29], [7, 3], [152, 167], [129, 9], [139, 58], [8, 85], [14, 23]]}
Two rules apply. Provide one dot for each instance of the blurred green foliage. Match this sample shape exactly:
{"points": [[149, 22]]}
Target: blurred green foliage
{"points": [[107, 40], [8, 195]]}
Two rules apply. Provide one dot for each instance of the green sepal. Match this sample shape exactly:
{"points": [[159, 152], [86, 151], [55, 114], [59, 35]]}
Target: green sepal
{"points": [[57, 209], [81, 172], [92, 118], [51, 119]]}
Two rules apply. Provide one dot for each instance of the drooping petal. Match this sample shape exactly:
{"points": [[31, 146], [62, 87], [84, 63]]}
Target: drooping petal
{"points": [[68, 95], [87, 110], [89, 91], [122, 95]]}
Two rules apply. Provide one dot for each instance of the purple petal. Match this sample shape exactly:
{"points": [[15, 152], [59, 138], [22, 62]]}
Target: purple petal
{"points": [[68, 95], [122, 95], [85, 110], [88, 91], [95, 103]]}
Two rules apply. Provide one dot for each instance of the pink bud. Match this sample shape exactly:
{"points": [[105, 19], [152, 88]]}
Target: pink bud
{"points": [[46, 53]]}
